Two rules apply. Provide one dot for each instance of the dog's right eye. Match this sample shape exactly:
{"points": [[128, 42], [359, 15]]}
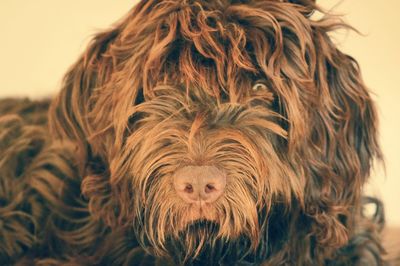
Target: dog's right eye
{"points": [[259, 87], [261, 91]]}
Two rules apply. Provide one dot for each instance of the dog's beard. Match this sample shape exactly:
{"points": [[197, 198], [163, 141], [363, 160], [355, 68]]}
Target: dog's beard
{"points": [[200, 243], [170, 223]]}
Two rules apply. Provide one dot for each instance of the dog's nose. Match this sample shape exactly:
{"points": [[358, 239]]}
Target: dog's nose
{"points": [[199, 183]]}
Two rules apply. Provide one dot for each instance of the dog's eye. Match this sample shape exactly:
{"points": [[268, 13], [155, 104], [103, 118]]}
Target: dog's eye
{"points": [[259, 86]]}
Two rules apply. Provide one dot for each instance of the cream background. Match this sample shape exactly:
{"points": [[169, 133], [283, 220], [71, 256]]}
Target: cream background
{"points": [[40, 39]]}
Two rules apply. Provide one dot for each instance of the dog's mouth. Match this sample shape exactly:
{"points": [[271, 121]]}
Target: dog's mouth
{"points": [[202, 224], [199, 214]]}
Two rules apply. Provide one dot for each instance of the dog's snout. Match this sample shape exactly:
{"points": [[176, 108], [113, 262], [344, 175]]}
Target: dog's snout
{"points": [[199, 183]]}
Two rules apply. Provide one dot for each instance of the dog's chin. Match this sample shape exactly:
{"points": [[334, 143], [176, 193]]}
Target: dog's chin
{"points": [[193, 239], [199, 243]]}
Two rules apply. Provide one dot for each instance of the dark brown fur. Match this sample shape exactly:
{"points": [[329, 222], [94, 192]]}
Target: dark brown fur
{"points": [[171, 85]]}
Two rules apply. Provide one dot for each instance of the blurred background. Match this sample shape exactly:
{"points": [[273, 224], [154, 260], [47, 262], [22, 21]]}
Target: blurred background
{"points": [[40, 39]]}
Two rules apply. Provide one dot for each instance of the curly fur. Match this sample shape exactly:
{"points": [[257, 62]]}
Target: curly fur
{"points": [[171, 85]]}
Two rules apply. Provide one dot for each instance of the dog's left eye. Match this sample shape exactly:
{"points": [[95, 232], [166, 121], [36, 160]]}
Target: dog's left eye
{"points": [[259, 87]]}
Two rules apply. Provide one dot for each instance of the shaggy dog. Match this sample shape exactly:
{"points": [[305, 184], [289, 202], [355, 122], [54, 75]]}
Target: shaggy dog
{"points": [[214, 132]]}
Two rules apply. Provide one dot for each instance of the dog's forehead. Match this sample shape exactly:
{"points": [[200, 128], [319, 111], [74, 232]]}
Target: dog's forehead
{"points": [[215, 46], [253, 90]]}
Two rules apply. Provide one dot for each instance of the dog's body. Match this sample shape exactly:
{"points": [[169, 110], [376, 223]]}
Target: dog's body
{"points": [[196, 132]]}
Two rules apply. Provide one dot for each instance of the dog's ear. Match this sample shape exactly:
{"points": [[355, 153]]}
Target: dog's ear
{"points": [[92, 109], [73, 116], [106, 77], [342, 143], [69, 111]]}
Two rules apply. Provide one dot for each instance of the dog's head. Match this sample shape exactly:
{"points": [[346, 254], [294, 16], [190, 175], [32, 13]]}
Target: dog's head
{"points": [[206, 122]]}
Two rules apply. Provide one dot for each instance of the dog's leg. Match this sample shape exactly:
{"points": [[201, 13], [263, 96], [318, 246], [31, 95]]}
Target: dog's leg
{"points": [[364, 247]]}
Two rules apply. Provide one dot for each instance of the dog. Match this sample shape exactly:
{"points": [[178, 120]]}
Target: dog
{"points": [[214, 132]]}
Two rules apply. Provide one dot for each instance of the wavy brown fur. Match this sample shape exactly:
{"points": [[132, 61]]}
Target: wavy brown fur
{"points": [[171, 85]]}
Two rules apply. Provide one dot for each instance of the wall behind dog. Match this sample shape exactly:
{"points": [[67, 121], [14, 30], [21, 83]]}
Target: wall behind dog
{"points": [[41, 39]]}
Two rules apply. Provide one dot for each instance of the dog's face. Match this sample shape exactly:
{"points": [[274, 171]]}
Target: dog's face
{"points": [[201, 122], [192, 158]]}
